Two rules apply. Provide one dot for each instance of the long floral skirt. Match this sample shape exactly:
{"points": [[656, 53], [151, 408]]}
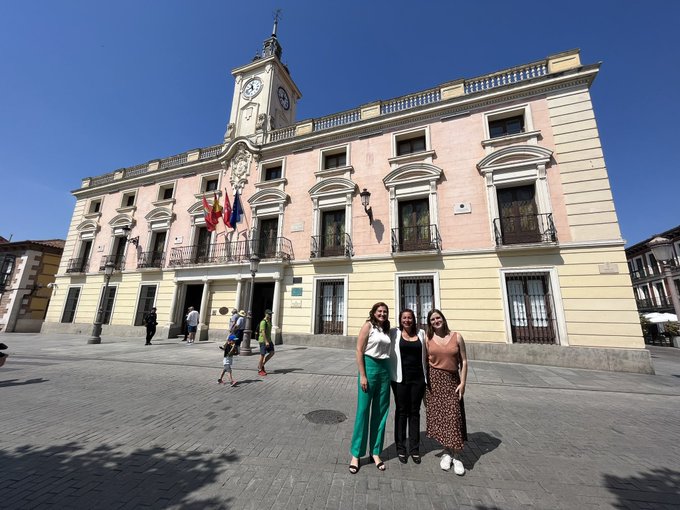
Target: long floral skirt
{"points": [[445, 414]]}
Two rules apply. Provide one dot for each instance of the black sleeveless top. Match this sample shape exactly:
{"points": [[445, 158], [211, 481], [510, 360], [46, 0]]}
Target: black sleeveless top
{"points": [[411, 361]]}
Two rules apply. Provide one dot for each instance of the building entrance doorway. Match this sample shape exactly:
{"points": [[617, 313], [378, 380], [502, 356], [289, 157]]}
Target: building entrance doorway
{"points": [[263, 299], [192, 297]]}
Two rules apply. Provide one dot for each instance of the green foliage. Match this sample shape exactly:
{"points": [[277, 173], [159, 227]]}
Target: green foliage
{"points": [[671, 329]]}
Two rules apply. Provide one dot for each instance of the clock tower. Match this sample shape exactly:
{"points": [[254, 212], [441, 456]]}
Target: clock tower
{"points": [[265, 96]]}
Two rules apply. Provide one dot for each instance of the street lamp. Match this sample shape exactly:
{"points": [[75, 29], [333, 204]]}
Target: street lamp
{"points": [[97, 326], [662, 249], [365, 201], [245, 345]]}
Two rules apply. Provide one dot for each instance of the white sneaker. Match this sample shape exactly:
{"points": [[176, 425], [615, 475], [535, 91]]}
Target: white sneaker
{"points": [[445, 463], [458, 467]]}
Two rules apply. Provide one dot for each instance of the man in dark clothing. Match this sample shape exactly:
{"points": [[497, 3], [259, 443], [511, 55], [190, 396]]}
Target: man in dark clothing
{"points": [[150, 321]]}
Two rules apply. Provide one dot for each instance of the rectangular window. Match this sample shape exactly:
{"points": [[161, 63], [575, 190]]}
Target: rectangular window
{"points": [[531, 309], [211, 185], [272, 173], [147, 296], [417, 293], [335, 160], [128, 200], [71, 304], [414, 225], [202, 253], [518, 215], [507, 126], [95, 206], [108, 300], [333, 233], [330, 307], [6, 270], [410, 145], [167, 193]]}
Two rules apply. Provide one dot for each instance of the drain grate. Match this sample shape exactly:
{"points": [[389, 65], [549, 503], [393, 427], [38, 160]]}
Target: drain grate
{"points": [[325, 417]]}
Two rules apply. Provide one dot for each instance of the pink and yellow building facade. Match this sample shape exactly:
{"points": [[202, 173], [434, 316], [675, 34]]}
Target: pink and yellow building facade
{"points": [[487, 198]]}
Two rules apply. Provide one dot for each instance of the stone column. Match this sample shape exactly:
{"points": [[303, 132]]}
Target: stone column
{"points": [[203, 315], [276, 307], [172, 313], [239, 288]]}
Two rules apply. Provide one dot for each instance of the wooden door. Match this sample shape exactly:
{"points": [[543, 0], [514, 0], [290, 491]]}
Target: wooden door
{"points": [[518, 215]]}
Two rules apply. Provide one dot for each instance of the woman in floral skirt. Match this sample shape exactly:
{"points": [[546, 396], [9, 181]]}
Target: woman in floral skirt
{"points": [[445, 412]]}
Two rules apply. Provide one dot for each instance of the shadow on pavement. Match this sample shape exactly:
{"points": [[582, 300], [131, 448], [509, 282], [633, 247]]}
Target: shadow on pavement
{"points": [[13, 382], [74, 475], [241, 382], [653, 489], [284, 370]]}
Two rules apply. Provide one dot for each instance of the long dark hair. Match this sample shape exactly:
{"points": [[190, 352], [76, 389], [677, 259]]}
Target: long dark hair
{"points": [[413, 331], [430, 329], [371, 317]]}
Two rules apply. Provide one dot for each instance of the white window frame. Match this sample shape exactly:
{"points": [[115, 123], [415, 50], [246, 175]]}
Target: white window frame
{"points": [[315, 291], [123, 200], [558, 305], [139, 297], [332, 151], [499, 172], [91, 203], [161, 188], [272, 163], [410, 182], [204, 182], [75, 311], [113, 306], [436, 289]]}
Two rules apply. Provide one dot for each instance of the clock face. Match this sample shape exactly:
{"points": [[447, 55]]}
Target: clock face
{"points": [[283, 98], [252, 88]]}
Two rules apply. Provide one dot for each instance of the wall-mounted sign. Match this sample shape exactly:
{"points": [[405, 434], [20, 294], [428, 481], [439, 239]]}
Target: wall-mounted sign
{"points": [[296, 291]]}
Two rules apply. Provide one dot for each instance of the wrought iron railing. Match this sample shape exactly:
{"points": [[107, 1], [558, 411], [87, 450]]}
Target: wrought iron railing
{"points": [[524, 229], [117, 260], [231, 253], [149, 259], [331, 245], [421, 238], [655, 304], [78, 265]]}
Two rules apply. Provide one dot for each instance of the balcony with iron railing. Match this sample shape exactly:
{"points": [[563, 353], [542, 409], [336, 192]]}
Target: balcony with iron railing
{"points": [[331, 245], [150, 259], [118, 262], [235, 252], [524, 229], [79, 265], [659, 304], [416, 239]]}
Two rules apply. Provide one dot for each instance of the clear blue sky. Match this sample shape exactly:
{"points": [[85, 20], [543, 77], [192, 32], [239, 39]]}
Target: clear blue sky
{"points": [[87, 87]]}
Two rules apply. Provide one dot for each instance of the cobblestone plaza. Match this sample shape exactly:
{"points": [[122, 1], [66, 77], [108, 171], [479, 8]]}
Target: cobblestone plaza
{"points": [[123, 425]]}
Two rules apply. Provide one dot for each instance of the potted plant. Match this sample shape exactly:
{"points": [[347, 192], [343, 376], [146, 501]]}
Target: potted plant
{"points": [[671, 330]]}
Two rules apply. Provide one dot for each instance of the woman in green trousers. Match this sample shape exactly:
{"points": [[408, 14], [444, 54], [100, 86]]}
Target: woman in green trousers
{"points": [[373, 401]]}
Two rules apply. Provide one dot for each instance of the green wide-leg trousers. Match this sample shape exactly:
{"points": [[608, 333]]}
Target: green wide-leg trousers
{"points": [[373, 407]]}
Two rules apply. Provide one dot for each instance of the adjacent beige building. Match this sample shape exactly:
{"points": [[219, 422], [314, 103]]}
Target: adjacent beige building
{"points": [[489, 199]]}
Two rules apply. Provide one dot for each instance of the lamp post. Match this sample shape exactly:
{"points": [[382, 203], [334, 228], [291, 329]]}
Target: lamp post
{"points": [[97, 326], [247, 334], [662, 249]]}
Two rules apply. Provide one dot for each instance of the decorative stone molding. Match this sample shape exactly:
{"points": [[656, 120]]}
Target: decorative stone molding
{"points": [[240, 167]]}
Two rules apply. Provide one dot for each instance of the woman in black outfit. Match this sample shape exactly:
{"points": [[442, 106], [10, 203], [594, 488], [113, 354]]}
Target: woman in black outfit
{"points": [[408, 361]]}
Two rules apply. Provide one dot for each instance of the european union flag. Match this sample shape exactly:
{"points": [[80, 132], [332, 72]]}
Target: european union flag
{"points": [[236, 211]]}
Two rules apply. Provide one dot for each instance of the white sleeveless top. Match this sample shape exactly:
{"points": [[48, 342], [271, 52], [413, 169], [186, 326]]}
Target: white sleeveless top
{"points": [[378, 345]]}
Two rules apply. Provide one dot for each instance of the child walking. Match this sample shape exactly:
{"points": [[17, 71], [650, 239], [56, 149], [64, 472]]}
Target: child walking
{"points": [[230, 350]]}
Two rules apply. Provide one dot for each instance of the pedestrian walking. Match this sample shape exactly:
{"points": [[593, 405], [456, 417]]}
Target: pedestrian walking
{"points": [[444, 406], [230, 350], [232, 321], [240, 326], [264, 338], [150, 321], [408, 369], [373, 391], [192, 324]]}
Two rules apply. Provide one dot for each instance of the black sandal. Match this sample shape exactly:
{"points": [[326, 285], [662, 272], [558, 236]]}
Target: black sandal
{"points": [[353, 469], [380, 465], [416, 458]]}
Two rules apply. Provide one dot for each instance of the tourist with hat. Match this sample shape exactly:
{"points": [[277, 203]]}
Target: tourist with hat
{"points": [[240, 326]]}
